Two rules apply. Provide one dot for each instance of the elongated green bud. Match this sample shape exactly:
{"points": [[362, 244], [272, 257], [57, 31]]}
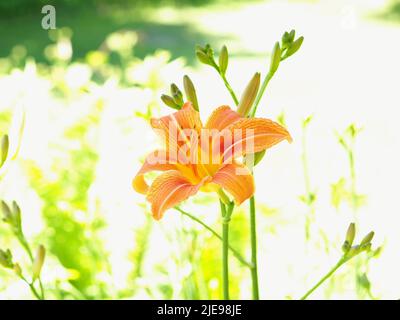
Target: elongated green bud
{"points": [[16, 212], [38, 262], [190, 92], [294, 47], [367, 239], [169, 101], [292, 34], [223, 59], [7, 215], [249, 95], [351, 233], [177, 95], [5, 144], [275, 58]]}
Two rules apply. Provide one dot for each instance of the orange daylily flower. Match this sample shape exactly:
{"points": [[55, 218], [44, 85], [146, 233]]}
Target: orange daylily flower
{"points": [[186, 164]]}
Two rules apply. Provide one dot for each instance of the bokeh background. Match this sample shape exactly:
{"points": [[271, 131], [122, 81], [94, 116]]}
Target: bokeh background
{"points": [[88, 89]]}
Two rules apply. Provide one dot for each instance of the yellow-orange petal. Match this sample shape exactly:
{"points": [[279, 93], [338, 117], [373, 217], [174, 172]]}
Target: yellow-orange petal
{"points": [[222, 117], [176, 124], [167, 190], [251, 135], [158, 160], [237, 180]]}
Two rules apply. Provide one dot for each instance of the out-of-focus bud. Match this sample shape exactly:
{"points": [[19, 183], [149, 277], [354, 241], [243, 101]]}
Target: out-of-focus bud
{"points": [[223, 59], [292, 34], [294, 47], [7, 215], [287, 40], [275, 58], [5, 144], [249, 95], [6, 259], [16, 212], [367, 239], [17, 270], [351, 233], [177, 95], [169, 101], [190, 92], [38, 262]]}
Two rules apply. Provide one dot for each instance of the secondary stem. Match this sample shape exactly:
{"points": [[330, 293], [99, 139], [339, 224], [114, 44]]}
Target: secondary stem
{"points": [[233, 250], [323, 279], [253, 230], [264, 85], [228, 86]]}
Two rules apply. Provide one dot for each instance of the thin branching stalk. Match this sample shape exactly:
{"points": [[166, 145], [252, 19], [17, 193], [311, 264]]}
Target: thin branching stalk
{"points": [[236, 253]]}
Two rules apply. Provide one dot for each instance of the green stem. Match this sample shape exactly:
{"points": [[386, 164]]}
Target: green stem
{"points": [[32, 287], [264, 85], [306, 174], [233, 250], [323, 279], [226, 212], [228, 86], [225, 264], [25, 245], [253, 230]]}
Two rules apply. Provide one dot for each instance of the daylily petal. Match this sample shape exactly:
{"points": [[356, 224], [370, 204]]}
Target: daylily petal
{"points": [[177, 123], [158, 160], [251, 135], [169, 189], [237, 180], [222, 117]]}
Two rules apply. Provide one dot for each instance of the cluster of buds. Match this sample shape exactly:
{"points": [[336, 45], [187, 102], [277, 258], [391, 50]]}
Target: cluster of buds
{"points": [[350, 250], [12, 216], [175, 100], [206, 56], [285, 49]]}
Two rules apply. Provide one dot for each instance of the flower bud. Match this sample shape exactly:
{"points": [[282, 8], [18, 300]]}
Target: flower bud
{"points": [[275, 58], [177, 95], [7, 215], [249, 95], [17, 270], [367, 239], [5, 143], [169, 101], [190, 92], [6, 259], [203, 58], [292, 34], [223, 59], [351, 233], [294, 47], [16, 212], [38, 262]]}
